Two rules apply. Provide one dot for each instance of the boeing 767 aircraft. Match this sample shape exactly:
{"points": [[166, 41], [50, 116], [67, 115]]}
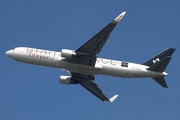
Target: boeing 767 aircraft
{"points": [[82, 64]]}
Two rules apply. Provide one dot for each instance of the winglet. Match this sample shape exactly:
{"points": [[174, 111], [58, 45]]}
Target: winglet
{"points": [[118, 18], [113, 98]]}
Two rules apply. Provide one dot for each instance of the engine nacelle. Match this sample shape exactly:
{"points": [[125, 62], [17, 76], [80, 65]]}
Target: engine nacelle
{"points": [[67, 80], [67, 53]]}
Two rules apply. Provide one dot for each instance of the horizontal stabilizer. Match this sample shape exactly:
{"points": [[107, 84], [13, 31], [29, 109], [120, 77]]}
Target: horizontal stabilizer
{"points": [[113, 98], [161, 81], [160, 66]]}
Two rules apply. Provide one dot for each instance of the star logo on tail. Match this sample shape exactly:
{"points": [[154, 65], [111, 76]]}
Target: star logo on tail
{"points": [[156, 60]]}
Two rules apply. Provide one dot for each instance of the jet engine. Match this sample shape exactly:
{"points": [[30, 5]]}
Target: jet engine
{"points": [[67, 80], [67, 53]]}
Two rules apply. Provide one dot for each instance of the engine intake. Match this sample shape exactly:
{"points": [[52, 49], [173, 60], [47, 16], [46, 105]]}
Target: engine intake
{"points": [[67, 80], [67, 53]]}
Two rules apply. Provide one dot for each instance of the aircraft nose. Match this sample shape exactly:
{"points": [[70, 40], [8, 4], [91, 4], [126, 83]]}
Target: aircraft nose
{"points": [[9, 53]]}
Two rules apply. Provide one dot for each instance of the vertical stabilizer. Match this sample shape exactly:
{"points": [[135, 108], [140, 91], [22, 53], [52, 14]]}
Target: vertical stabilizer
{"points": [[160, 66], [159, 57]]}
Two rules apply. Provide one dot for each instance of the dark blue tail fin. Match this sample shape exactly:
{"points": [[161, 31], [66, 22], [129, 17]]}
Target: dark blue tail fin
{"points": [[159, 57], [161, 65]]}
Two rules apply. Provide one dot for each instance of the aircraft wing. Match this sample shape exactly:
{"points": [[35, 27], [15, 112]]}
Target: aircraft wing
{"points": [[87, 52], [87, 81]]}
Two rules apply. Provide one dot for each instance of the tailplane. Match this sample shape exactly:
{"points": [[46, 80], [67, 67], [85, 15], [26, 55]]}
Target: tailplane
{"points": [[159, 63], [161, 81]]}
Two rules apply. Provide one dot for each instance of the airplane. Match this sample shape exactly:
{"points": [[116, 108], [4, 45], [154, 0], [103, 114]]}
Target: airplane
{"points": [[83, 64]]}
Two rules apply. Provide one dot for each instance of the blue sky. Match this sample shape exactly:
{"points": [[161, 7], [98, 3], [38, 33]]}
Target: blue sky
{"points": [[33, 92]]}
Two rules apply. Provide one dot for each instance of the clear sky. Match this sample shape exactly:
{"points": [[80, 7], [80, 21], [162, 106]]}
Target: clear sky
{"points": [[29, 92]]}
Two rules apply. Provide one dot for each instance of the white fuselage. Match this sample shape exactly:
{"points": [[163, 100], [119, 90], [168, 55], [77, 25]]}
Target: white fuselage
{"points": [[102, 66]]}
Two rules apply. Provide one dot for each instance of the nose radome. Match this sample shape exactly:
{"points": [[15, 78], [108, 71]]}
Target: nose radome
{"points": [[9, 53]]}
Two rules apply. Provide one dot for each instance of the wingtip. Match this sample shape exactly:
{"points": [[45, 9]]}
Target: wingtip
{"points": [[118, 18], [124, 12], [112, 99]]}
